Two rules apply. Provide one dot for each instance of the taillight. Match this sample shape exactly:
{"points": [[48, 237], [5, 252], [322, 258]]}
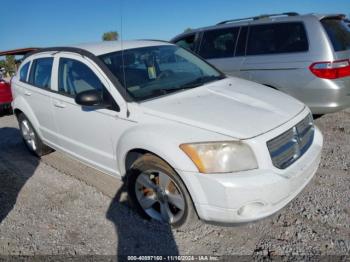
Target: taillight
{"points": [[331, 70]]}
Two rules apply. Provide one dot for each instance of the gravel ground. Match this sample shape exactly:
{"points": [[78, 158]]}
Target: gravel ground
{"points": [[44, 211]]}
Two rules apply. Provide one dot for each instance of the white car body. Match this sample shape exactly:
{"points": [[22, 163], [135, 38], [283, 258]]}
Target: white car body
{"points": [[230, 109]]}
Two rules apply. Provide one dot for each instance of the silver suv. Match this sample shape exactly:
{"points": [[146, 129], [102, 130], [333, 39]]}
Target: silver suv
{"points": [[306, 56]]}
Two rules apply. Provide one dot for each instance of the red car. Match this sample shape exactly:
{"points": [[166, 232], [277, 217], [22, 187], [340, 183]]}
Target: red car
{"points": [[5, 96]]}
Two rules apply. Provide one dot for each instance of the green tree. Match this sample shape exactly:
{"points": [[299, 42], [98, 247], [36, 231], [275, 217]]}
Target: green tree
{"points": [[189, 29], [9, 64], [110, 36]]}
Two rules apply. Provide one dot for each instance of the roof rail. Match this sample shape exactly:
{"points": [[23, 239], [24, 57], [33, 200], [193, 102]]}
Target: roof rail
{"points": [[257, 17]]}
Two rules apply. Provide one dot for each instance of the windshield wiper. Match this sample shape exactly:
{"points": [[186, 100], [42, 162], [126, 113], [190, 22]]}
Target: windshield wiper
{"points": [[193, 84], [201, 81], [166, 91]]}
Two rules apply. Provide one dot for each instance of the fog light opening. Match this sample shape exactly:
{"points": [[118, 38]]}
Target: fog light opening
{"points": [[251, 209]]}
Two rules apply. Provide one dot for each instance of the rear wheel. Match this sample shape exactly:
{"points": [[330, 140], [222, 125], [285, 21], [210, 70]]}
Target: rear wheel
{"points": [[31, 138], [156, 192]]}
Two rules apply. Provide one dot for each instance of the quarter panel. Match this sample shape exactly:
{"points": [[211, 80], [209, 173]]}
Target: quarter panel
{"points": [[21, 104]]}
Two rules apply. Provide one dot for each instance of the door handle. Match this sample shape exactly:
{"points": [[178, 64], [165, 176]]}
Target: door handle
{"points": [[59, 105], [27, 93]]}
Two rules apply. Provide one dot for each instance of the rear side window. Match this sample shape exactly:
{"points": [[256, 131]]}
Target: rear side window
{"points": [[187, 42], [75, 77], [277, 38], [24, 72], [40, 73], [218, 43], [338, 32]]}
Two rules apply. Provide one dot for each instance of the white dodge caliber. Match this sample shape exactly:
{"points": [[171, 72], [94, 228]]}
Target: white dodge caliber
{"points": [[189, 141]]}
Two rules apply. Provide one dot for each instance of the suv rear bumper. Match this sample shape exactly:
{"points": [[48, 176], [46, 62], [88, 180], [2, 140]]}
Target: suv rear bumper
{"points": [[251, 195], [329, 96]]}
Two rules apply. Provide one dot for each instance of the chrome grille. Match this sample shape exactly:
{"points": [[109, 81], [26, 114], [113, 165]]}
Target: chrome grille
{"points": [[286, 148]]}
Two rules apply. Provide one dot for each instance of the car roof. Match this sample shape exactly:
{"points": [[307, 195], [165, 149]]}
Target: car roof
{"points": [[283, 17], [95, 49], [105, 47], [99, 48]]}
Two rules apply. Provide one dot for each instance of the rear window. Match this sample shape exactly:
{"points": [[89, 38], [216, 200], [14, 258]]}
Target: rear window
{"points": [[338, 32], [277, 38], [219, 43]]}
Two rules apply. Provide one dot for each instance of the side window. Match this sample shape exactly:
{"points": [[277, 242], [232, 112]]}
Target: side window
{"points": [[187, 42], [277, 38], [24, 72], [75, 77], [218, 43], [242, 41], [40, 73]]}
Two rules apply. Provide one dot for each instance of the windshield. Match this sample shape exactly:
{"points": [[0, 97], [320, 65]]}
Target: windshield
{"points": [[155, 71]]}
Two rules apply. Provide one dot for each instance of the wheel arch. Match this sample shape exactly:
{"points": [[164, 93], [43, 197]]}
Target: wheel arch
{"points": [[139, 141], [136, 153]]}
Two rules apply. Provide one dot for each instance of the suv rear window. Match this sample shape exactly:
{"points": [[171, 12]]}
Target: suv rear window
{"points": [[338, 33], [218, 43], [277, 38]]}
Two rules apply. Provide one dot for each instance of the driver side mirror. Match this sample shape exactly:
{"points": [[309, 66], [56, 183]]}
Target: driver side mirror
{"points": [[94, 98], [89, 98]]}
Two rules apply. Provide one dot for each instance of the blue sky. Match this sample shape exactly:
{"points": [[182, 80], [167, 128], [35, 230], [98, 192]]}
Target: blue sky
{"points": [[25, 23]]}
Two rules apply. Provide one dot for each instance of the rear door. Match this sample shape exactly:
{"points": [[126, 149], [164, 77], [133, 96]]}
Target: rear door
{"points": [[37, 93], [276, 55]]}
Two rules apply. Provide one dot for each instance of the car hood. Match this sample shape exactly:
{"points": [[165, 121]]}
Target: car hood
{"points": [[235, 107]]}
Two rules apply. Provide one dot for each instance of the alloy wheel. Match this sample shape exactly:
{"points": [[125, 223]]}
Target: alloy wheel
{"points": [[28, 135], [159, 196]]}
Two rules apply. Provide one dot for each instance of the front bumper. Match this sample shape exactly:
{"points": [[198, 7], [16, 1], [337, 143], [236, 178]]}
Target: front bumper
{"points": [[251, 195]]}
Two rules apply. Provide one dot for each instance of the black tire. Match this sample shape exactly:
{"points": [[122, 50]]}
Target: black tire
{"points": [[189, 219], [316, 116], [40, 148]]}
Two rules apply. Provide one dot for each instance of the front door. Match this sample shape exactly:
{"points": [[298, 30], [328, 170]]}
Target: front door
{"points": [[84, 132]]}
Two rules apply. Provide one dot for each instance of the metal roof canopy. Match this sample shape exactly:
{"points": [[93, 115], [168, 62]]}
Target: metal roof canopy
{"points": [[20, 51]]}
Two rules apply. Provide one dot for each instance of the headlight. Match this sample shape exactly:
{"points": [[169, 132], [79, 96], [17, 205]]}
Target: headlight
{"points": [[220, 157]]}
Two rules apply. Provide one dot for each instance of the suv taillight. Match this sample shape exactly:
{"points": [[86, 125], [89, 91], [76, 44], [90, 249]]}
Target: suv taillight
{"points": [[331, 70]]}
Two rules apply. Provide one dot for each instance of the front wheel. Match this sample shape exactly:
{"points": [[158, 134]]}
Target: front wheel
{"points": [[156, 191], [31, 138]]}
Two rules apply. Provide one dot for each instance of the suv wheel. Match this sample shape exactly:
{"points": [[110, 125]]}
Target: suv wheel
{"points": [[31, 138], [157, 192]]}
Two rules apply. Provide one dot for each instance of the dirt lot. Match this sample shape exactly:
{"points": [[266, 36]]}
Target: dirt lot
{"points": [[44, 210]]}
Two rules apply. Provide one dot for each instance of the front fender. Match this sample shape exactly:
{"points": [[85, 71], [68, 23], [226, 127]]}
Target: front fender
{"points": [[158, 140]]}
